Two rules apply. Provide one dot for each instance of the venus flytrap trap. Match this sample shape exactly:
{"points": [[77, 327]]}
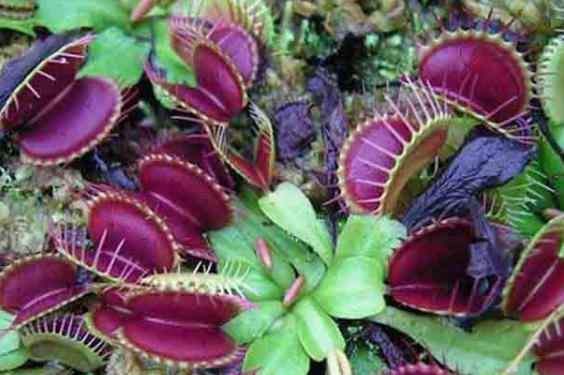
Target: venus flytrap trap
{"points": [[551, 76], [64, 338], [522, 200], [533, 291], [294, 317]]}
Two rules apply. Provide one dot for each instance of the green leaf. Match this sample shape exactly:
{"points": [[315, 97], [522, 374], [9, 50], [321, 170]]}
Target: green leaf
{"points": [[488, 350], [364, 361], [253, 323], [38, 371], [57, 15], [177, 70], [318, 333], [21, 26], [353, 288], [12, 354], [289, 208], [369, 236], [258, 286], [235, 246], [237, 243], [117, 56], [279, 352]]}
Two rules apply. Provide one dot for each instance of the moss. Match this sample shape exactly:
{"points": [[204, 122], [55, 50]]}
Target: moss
{"points": [[32, 199]]}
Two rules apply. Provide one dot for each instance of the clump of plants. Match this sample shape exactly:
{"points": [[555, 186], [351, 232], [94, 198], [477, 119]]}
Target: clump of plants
{"points": [[246, 187]]}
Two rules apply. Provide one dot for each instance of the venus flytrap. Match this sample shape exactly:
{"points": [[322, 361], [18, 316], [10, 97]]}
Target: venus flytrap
{"points": [[294, 319]]}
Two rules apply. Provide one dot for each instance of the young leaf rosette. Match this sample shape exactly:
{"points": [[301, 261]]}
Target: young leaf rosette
{"points": [[296, 306], [534, 290]]}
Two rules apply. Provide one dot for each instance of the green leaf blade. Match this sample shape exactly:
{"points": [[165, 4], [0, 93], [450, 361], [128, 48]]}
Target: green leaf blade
{"points": [[117, 56], [353, 288], [22, 26], [60, 16], [237, 243], [318, 333], [370, 236], [279, 352], [289, 208], [253, 323]]}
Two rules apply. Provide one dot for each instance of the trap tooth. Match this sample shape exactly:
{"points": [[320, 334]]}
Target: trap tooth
{"points": [[534, 290], [64, 338], [551, 79], [31, 82], [480, 74], [34, 286], [380, 157], [428, 271]]}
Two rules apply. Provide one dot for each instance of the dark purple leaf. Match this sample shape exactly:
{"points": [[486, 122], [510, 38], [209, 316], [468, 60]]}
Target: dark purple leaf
{"points": [[392, 354], [375, 334], [486, 161], [294, 130], [16, 70], [334, 127], [115, 176]]}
